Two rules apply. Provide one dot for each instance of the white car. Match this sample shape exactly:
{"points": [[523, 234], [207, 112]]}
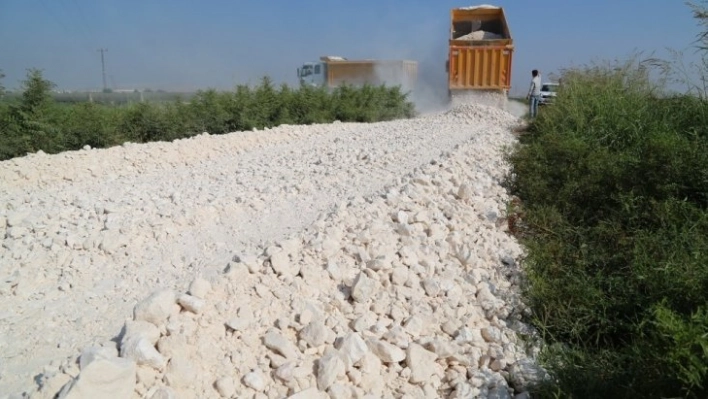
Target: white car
{"points": [[548, 93]]}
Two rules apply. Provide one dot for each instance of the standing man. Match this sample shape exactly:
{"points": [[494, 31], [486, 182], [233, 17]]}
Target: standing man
{"points": [[534, 93]]}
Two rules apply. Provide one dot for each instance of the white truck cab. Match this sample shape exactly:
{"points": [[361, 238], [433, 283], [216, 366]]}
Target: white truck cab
{"points": [[312, 74], [548, 93], [315, 73], [332, 72]]}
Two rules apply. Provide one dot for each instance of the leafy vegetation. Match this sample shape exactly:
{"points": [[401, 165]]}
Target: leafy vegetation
{"points": [[613, 181], [34, 121], [2, 88]]}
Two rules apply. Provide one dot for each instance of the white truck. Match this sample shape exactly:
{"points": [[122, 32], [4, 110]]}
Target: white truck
{"points": [[332, 71]]}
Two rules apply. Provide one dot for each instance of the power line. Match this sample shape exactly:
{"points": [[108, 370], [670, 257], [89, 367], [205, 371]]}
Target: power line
{"points": [[103, 68], [60, 21], [82, 17]]}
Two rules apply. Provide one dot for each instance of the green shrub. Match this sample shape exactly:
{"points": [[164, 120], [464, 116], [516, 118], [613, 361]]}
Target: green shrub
{"points": [[2, 87], [144, 122], [89, 123], [34, 122], [208, 112], [313, 105], [28, 124], [613, 180]]}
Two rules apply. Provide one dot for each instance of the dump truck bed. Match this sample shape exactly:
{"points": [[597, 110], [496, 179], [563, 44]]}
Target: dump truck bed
{"points": [[375, 72], [480, 49]]}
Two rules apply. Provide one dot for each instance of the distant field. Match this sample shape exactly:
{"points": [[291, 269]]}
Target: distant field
{"points": [[114, 98], [135, 97]]}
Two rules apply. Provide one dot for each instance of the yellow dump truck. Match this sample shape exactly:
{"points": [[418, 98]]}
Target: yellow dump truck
{"points": [[332, 72], [480, 51]]}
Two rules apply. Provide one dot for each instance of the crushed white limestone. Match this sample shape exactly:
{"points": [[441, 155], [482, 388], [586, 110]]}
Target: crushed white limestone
{"points": [[485, 6], [481, 35], [340, 261]]}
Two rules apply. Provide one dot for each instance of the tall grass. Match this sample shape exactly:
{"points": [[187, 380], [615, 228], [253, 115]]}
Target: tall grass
{"points": [[34, 121], [614, 183]]}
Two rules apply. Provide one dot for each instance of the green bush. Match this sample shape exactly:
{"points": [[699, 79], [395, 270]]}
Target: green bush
{"points": [[29, 123], [614, 184], [35, 122], [88, 124], [208, 112]]}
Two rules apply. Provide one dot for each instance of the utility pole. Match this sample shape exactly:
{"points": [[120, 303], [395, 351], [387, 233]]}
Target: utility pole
{"points": [[103, 68]]}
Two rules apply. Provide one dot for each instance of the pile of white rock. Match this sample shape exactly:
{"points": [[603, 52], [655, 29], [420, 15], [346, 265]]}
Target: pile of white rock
{"points": [[481, 35], [413, 293]]}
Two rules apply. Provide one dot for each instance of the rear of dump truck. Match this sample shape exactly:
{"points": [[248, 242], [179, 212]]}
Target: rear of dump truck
{"points": [[480, 53], [373, 72]]}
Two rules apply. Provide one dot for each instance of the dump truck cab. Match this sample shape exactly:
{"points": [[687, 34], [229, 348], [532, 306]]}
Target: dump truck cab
{"points": [[312, 74], [315, 74]]}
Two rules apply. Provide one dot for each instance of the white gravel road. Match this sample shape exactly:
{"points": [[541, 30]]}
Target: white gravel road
{"points": [[87, 234]]}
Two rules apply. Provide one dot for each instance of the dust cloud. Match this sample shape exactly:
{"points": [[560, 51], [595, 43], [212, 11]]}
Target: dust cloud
{"points": [[516, 108]]}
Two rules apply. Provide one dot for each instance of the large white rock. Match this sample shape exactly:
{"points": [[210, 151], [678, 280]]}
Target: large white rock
{"points": [[414, 326], [309, 393], [238, 324], [50, 386], [90, 354], [525, 372], [104, 378], [399, 275], [369, 364], [276, 342], [442, 348], [315, 333], [285, 372], [464, 390], [180, 371], [329, 368], [143, 352], [334, 271], [388, 353], [340, 391], [491, 334], [374, 384], [353, 348], [421, 362], [14, 219], [191, 303], [467, 335], [281, 264], [164, 393], [363, 323], [397, 336], [156, 308], [363, 288], [380, 263], [465, 192], [142, 329], [199, 287], [225, 387], [173, 344], [486, 298], [255, 380], [431, 287]]}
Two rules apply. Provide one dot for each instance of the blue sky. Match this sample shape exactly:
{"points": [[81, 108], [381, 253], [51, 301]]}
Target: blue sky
{"points": [[183, 44]]}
